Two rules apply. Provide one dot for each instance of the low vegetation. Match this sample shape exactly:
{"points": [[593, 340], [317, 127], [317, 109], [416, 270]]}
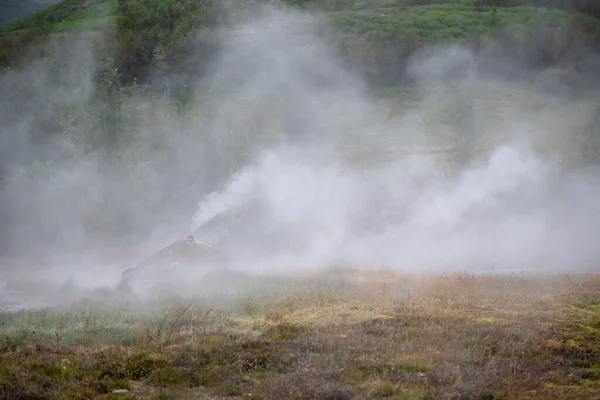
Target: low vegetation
{"points": [[376, 37], [336, 335]]}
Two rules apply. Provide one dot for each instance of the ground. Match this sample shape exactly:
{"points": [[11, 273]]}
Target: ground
{"points": [[327, 335]]}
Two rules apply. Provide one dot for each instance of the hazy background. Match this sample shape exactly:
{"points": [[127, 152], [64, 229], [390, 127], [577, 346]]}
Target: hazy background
{"points": [[285, 158]]}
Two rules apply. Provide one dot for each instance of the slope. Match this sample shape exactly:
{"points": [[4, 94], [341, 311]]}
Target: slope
{"points": [[375, 35]]}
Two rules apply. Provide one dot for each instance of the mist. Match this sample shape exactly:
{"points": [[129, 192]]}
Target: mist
{"points": [[290, 161]]}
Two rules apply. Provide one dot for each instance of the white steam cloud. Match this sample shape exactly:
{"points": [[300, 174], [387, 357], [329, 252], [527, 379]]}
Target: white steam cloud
{"points": [[308, 204], [291, 163]]}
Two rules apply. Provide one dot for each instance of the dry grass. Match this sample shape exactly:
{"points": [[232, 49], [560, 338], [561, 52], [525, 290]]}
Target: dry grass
{"points": [[338, 335]]}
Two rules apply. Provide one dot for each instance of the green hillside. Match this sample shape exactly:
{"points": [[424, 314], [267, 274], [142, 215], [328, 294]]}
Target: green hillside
{"points": [[146, 85], [12, 10], [374, 35]]}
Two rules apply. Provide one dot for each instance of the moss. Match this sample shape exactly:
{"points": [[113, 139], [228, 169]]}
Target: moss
{"points": [[123, 396], [494, 321], [260, 355], [590, 374], [51, 369], [370, 369], [107, 384], [353, 376], [385, 389], [284, 331], [211, 377], [228, 389], [134, 368], [407, 333], [409, 394], [169, 376], [380, 326], [415, 366], [219, 380]]}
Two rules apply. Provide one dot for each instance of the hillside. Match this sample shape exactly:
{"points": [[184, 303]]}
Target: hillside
{"points": [[102, 87], [375, 37], [12, 10]]}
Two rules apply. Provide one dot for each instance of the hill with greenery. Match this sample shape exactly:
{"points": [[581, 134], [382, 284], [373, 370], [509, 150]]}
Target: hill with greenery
{"points": [[377, 36], [11, 10], [148, 59]]}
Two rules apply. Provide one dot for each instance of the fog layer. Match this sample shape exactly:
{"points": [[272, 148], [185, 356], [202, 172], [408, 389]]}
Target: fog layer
{"points": [[286, 160]]}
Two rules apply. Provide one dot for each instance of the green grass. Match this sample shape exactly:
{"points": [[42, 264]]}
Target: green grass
{"points": [[378, 23], [18, 37], [12, 10], [447, 20], [36, 19], [450, 22], [97, 15]]}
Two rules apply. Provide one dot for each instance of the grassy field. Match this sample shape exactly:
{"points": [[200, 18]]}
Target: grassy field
{"points": [[330, 335]]}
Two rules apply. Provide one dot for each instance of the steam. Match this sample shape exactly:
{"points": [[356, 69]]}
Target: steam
{"points": [[511, 211], [309, 205], [292, 163]]}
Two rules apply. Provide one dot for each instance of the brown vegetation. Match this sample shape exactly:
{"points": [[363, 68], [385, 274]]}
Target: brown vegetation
{"points": [[343, 335]]}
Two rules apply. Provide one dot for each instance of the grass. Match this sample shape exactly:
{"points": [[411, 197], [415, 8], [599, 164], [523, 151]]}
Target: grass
{"points": [[42, 17], [403, 24], [336, 335], [60, 17], [448, 22], [98, 15], [22, 35], [442, 19]]}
